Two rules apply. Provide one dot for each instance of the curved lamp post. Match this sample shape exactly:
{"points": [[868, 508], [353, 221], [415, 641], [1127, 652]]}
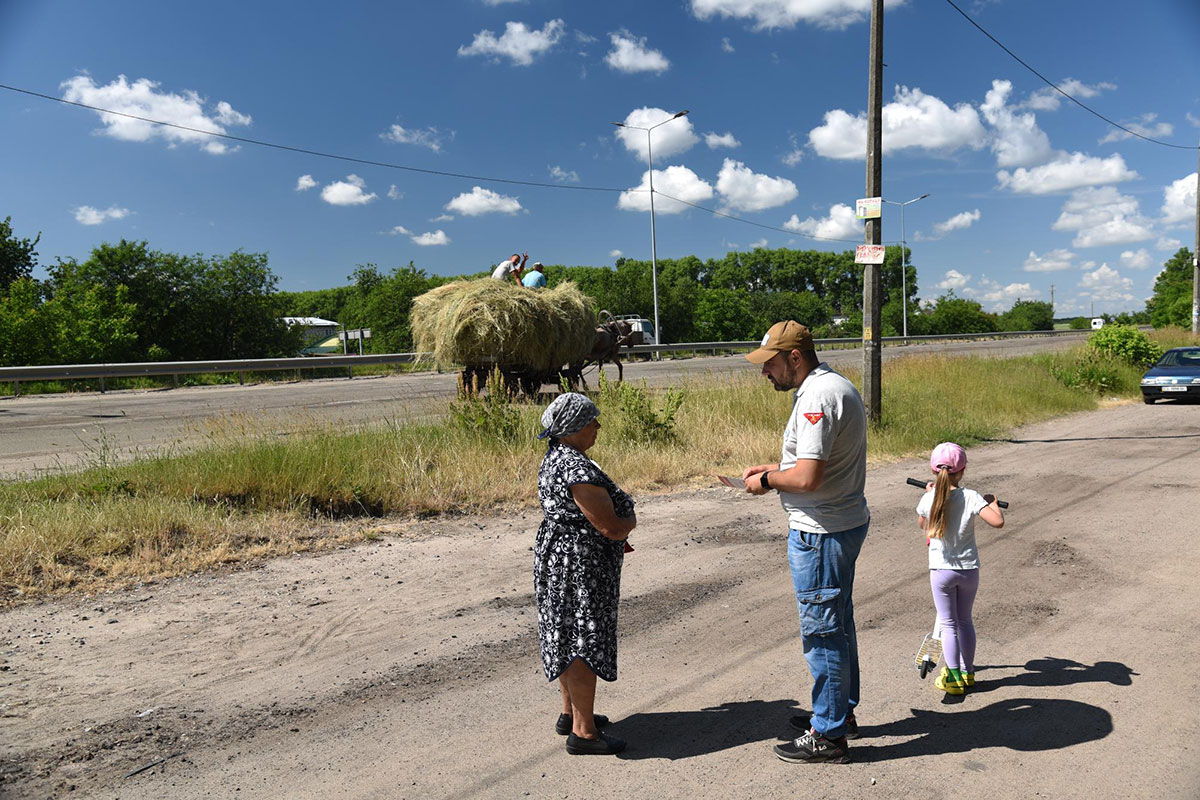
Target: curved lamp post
{"points": [[904, 258]]}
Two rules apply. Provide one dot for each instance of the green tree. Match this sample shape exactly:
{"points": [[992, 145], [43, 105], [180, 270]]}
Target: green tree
{"points": [[84, 322], [235, 297], [724, 315], [23, 326], [952, 314], [18, 257], [1171, 303], [1028, 315]]}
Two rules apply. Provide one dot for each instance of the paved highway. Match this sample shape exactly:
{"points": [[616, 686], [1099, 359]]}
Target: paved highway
{"points": [[47, 432]]}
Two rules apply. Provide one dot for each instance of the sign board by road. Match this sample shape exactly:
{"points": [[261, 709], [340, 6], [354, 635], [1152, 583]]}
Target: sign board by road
{"points": [[357, 333], [869, 254], [868, 207]]}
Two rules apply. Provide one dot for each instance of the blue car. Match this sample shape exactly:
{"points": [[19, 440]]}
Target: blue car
{"points": [[1177, 374]]}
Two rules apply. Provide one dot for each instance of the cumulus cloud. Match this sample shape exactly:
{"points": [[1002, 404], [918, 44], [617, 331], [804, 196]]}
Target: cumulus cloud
{"points": [[675, 181], [1052, 261], [350, 192], [742, 189], [483, 201], [86, 215], [433, 239], [142, 98], [615, 254], [715, 140], [1168, 243], [726, 45], [399, 230], [1179, 200], [519, 43], [958, 222], [630, 55], [839, 224], [1136, 259], [564, 175], [1146, 125], [304, 183], [796, 154], [771, 14], [1016, 139], [443, 218], [1000, 297], [394, 192], [1048, 99], [424, 137], [953, 280], [1107, 286], [1067, 173], [1102, 216], [913, 120], [671, 139]]}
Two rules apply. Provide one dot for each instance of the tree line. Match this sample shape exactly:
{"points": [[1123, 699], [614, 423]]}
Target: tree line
{"points": [[130, 302]]}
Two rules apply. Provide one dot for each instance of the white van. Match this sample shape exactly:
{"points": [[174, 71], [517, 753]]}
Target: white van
{"points": [[1097, 323], [640, 325]]}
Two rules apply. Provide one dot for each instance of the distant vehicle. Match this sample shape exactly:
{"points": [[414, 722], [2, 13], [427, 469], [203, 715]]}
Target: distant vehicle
{"points": [[642, 328], [1177, 374], [1097, 323]]}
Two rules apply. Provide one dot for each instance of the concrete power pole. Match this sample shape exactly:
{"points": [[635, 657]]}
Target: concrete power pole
{"points": [[872, 284]]}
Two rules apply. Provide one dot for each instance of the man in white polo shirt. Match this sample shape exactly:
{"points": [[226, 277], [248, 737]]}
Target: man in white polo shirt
{"points": [[820, 479]]}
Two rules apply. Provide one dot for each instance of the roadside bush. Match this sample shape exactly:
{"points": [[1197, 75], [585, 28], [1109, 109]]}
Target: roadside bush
{"points": [[1126, 343], [491, 413], [636, 417], [1090, 371]]}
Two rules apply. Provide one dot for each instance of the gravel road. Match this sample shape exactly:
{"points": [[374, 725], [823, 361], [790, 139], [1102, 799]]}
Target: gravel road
{"points": [[408, 667]]}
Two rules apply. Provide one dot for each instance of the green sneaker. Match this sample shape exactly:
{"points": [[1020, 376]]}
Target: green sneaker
{"points": [[947, 684]]}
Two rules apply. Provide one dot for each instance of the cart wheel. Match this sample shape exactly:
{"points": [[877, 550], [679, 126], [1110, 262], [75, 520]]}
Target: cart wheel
{"points": [[924, 668]]}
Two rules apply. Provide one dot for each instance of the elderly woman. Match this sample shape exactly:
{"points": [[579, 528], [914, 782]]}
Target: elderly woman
{"points": [[577, 570]]}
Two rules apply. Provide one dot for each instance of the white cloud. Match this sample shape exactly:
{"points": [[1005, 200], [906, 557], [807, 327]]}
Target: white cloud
{"points": [[1145, 125], [1102, 216], [1048, 99], [839, 224], [1052, 261], [424, 137], [715, 140], [1065, 174], [483, 201], [675, 181], [399, 230], [913, 120], [796, 154], [500, 2], [726, 45], [770, 14], [1001, 297], [518, 43], [953, 279], [564, 175], [671, 139], [630, 55], [350, 192], [1168, 243], [443, 218], [394, 192], [433, 239], [304, 183], [760, 243], [615, 254], [1016, 139], [742, 189], [958, 222], [86, 215], [142, 98], [1193, 119], [1179, 200], [1136, 259], [1106, 285]]}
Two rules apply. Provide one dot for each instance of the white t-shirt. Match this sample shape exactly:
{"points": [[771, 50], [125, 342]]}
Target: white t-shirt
{"points": [[829, 424], [956, 549], [504, 270]]}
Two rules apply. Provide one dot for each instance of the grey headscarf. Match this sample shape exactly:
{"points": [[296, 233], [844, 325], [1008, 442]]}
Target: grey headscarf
{"points": [[569, 413]]}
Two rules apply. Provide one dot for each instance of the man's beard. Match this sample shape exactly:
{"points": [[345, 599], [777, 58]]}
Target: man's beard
{"points": [[789, 378]]}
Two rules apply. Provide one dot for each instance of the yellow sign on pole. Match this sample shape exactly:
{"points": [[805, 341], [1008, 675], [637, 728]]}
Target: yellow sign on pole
{"points": [[868, 208]]}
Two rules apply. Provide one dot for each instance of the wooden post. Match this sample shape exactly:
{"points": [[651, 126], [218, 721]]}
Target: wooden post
{"points": [[872, 284]]}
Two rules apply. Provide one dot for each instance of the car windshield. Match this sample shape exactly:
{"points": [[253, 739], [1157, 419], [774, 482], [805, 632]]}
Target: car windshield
{"points": [[1180, 358]]}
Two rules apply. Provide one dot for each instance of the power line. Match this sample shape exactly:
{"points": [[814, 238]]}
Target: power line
{"points": [[306, 151], [1055, 87]]}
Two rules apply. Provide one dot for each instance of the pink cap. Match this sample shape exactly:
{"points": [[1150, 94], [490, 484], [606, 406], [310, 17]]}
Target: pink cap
{"points": [[949, 455]]}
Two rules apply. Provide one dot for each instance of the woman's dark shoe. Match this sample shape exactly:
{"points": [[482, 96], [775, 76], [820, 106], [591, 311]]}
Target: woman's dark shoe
{"points": [[603, 745], [563, 726]]}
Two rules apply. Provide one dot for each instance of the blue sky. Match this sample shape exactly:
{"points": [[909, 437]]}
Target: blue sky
{"points": [[1026, 189]]}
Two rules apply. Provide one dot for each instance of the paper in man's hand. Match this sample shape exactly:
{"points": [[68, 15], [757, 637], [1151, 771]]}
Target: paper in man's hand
{"points": [[733, 483]]}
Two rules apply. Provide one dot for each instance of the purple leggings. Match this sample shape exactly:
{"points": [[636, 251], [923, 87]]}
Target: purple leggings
{"points": [[953, 595]]}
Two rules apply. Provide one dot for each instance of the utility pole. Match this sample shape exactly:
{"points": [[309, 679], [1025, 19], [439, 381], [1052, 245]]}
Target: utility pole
{"points": [[872, 285], [1196, 264], [1052, 296]]}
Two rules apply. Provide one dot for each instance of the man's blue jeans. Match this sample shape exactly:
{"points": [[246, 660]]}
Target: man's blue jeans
{"points": [[823, 576]]}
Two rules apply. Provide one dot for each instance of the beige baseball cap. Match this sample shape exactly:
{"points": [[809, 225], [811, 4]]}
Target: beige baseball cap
{"points": [[783, 337]]}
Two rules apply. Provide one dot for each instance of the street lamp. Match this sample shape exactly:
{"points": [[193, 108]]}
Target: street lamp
{"points": [[904, 258], [653, 238]]}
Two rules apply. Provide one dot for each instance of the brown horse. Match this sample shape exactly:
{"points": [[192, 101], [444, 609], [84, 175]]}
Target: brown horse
{"points": [[611, 336]]}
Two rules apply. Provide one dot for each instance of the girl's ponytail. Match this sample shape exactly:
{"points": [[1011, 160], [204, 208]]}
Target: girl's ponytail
{"points": [[937, 511]]}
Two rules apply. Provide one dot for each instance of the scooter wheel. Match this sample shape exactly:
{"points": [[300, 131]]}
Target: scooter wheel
{"points": [[923, 669]]}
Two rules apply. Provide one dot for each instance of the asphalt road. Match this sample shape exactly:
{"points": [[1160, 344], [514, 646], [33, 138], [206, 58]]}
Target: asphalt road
{"points": [[48, 432]]}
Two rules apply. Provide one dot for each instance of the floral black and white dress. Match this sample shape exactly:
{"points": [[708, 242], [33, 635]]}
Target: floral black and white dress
{"points": [[576, 570]]}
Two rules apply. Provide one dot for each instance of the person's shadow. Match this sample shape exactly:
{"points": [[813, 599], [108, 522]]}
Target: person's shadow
{"points": [[1050, 671], [683, 734], [1018, 724]]}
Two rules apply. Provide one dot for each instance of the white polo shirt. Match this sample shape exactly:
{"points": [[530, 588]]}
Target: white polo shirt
{"points": [[829, 424], [504, 270]]}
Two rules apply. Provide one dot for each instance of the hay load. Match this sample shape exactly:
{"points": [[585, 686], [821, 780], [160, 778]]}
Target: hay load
{"points": [[488, 321]]}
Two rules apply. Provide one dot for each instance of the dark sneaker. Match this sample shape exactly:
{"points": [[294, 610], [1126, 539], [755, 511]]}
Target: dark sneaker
{"points": [[603, 745], [812, 747], [805, 724], [563, 726]]}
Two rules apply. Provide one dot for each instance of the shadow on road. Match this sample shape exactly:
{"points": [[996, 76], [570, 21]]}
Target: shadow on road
{"points": [[1002, 440], [684, 734], [1017, 724], [1051, 671]]}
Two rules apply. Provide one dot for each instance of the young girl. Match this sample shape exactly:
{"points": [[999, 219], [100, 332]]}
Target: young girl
{"points": [[947, 515]]}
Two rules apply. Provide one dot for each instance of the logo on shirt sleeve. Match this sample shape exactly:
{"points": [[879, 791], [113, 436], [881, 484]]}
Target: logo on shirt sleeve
{"points": [[814, 417]]}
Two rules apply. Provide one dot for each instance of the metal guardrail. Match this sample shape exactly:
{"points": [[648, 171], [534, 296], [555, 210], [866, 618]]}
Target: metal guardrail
{"points": [[173, 369]]}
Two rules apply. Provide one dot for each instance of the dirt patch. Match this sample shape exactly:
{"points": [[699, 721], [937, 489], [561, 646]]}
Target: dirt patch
{"points": [[1056, 553]]}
